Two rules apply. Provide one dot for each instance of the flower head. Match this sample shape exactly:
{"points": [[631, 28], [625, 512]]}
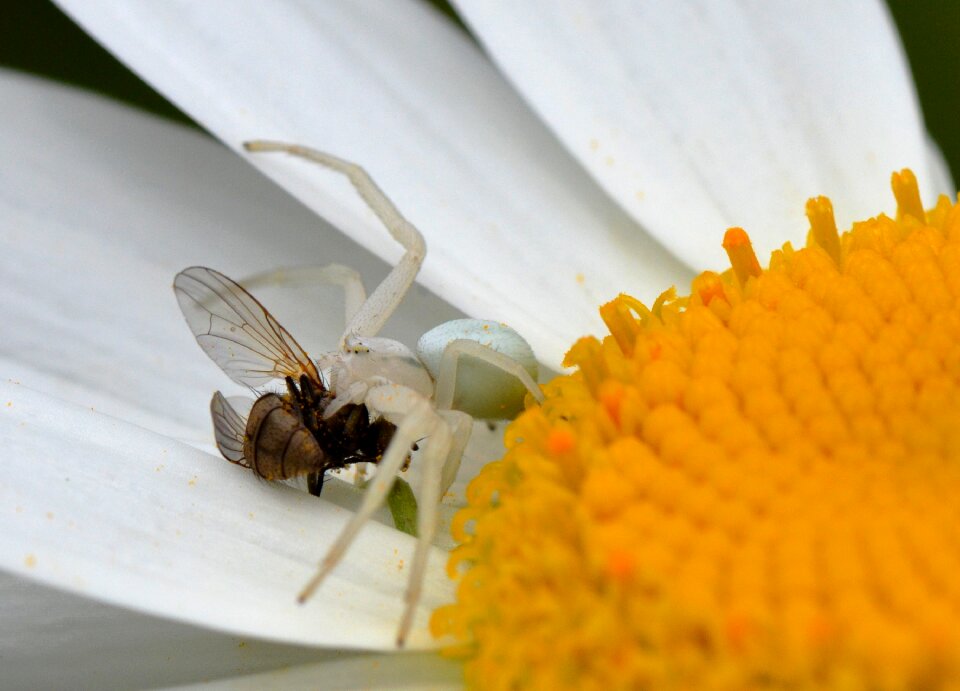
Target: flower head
{"points": [[631, 128], [750, 486]]}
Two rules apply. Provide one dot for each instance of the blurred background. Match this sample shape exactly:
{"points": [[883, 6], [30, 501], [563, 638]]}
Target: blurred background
{"points": [[36, 37]]}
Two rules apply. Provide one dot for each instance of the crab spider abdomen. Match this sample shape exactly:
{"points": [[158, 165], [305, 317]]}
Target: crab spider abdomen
{"points": [[481, 388]]}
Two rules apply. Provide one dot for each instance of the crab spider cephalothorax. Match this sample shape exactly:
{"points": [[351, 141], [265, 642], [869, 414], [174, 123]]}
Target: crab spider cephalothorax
{"points": [[461, 370]]}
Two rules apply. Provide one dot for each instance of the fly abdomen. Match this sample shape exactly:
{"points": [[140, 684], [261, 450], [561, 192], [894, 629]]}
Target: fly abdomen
{"points": [[276, 444]]}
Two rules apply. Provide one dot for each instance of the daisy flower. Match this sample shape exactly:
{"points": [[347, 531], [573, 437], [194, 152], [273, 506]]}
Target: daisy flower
{"points": [[602, 150]]}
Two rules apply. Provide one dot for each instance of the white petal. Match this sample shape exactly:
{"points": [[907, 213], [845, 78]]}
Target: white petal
{"points": [[398, 672], [697, 116], [939, 171], [99, 207], [108, 510], [54, 640], [516, 230]]}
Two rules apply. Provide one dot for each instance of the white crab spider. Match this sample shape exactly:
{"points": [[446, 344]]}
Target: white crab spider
{"points": [[462, 369]]}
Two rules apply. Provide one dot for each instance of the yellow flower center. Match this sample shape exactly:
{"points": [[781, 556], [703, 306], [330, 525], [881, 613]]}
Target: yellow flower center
{"points": [[755, 486]]}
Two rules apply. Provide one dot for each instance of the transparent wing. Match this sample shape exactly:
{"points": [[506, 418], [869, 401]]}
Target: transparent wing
{"points": [[229, 429], [236, 331]]}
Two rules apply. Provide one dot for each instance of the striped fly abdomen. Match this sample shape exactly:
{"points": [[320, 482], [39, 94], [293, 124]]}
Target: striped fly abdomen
{"points": [[277, 445]]}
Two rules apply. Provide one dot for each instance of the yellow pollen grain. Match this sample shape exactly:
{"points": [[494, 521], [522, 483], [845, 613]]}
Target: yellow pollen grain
{"points": [[560, 441], [752, 486]]}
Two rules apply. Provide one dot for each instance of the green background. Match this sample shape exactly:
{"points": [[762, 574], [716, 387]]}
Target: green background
{"points": [[36, 37]]}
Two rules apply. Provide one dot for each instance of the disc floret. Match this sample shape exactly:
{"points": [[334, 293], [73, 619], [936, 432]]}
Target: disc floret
{"points": [[751, 486]]}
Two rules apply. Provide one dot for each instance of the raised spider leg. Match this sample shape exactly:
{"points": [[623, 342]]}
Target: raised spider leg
{"points": [[332, 274], [418, 422], [384, 300], [436, 450], [447, 372]]}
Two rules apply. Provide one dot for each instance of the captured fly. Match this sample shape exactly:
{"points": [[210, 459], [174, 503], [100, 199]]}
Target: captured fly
{"points": [[284, 435]]}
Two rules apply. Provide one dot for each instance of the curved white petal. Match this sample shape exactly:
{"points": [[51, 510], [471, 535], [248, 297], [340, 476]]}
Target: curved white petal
{"points": [[397, 672], [516, 230], [108, 510], [696, 116], [51, 639], [89, 261], [99, 207]]}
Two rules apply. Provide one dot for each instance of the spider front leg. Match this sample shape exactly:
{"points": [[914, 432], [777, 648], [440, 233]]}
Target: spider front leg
{"points": [[435, 456], [390, 293], [461, 426], [460, 348], [415, 419]]}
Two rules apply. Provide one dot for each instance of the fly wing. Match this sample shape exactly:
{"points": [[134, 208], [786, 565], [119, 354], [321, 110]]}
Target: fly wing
{"points": [[237, 332], [229, 429]]}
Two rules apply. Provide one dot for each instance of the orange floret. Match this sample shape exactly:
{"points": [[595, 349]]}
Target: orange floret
{"points": [[752, 487]]}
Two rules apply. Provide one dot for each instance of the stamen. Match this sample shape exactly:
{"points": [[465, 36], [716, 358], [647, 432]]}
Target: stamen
{"points": [[823, 227], [708, 286], [622, 324], [742, 257], [907, 193], [585, 355]]}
